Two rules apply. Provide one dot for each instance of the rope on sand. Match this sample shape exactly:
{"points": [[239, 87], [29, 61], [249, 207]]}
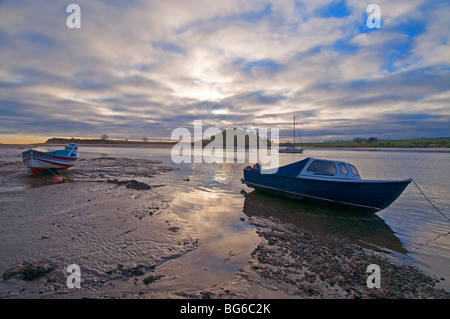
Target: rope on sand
{"points": [[48, 169]]}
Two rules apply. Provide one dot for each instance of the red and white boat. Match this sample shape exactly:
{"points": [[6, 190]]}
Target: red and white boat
{"points": [[41, 162]]}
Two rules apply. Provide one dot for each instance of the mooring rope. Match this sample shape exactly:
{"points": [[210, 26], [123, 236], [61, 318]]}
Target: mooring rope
{"points": [[48, 169], [437, 209], [429, 241]]}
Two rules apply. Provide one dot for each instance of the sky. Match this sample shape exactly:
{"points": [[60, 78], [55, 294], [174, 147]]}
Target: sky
{"points": [[138, 68]]}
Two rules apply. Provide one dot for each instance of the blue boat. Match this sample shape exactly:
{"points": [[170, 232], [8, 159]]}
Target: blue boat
{"points": [[41, 162], [326, 180]]}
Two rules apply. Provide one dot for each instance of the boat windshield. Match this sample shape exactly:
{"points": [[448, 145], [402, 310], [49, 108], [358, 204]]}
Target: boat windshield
{"points": [[353, 169], [322, 167]]}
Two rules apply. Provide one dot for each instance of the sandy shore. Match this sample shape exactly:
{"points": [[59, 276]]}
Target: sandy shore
{"points": [[112, 217], [101, 218]]}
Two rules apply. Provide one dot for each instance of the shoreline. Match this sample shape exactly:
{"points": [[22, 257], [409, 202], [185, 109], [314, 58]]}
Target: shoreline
{"points": [[167, 145], [26, 146], [129, 244]]}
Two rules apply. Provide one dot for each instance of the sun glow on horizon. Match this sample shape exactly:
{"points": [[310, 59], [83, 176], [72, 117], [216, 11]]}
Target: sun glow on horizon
{"points": [[22, 139]]}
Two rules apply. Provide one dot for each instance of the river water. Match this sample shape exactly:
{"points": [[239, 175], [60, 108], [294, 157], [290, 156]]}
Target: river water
{"points": [[212, 197]]}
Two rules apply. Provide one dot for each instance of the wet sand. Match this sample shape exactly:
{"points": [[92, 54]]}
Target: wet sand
{"points": [[101, 219], [113, 218]]}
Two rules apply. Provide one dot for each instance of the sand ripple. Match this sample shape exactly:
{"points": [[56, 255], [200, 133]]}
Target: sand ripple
{"points": [[106, 229]]}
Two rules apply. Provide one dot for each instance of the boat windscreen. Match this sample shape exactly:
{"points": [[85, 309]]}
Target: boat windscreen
{"points": [[322, 167]]}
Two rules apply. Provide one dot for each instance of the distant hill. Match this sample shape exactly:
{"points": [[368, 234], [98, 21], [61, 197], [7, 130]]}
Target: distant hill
{"points": [[241, 137], [58, 140], [251, 139]]}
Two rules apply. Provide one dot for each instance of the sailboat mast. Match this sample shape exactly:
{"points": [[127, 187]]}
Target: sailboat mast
{"points": [[294, 130]]}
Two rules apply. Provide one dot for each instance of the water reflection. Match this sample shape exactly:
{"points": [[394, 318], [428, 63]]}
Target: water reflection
{"points": [[225, 241], [223, 174], [361, 227]]}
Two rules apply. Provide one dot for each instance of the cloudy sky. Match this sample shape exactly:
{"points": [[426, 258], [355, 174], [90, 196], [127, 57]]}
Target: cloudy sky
{"points": [[141, 68]]}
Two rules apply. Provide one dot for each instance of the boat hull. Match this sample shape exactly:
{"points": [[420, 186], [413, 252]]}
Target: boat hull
{"points": [[42, 162], [363, 193]]}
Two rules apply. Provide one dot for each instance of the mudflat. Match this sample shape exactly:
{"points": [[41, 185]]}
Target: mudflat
{"points": [[112, 217]]}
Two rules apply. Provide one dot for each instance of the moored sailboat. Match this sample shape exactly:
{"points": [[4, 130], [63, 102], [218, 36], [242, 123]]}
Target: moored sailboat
{"points": [[293, 148]]}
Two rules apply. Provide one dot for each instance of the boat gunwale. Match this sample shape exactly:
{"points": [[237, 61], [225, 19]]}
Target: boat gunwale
{"points": [[336, 179], [52, 154]]}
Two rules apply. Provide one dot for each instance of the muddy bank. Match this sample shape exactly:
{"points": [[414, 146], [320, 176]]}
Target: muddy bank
{"points": [[117, 232], [294, 262]]}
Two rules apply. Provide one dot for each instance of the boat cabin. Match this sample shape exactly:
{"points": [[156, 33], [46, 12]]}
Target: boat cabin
{"points": [[328, 168], [313, 168]]}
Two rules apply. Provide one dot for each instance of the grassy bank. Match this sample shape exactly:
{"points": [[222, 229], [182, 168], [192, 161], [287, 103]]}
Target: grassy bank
{"points": [[373, 142]]}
